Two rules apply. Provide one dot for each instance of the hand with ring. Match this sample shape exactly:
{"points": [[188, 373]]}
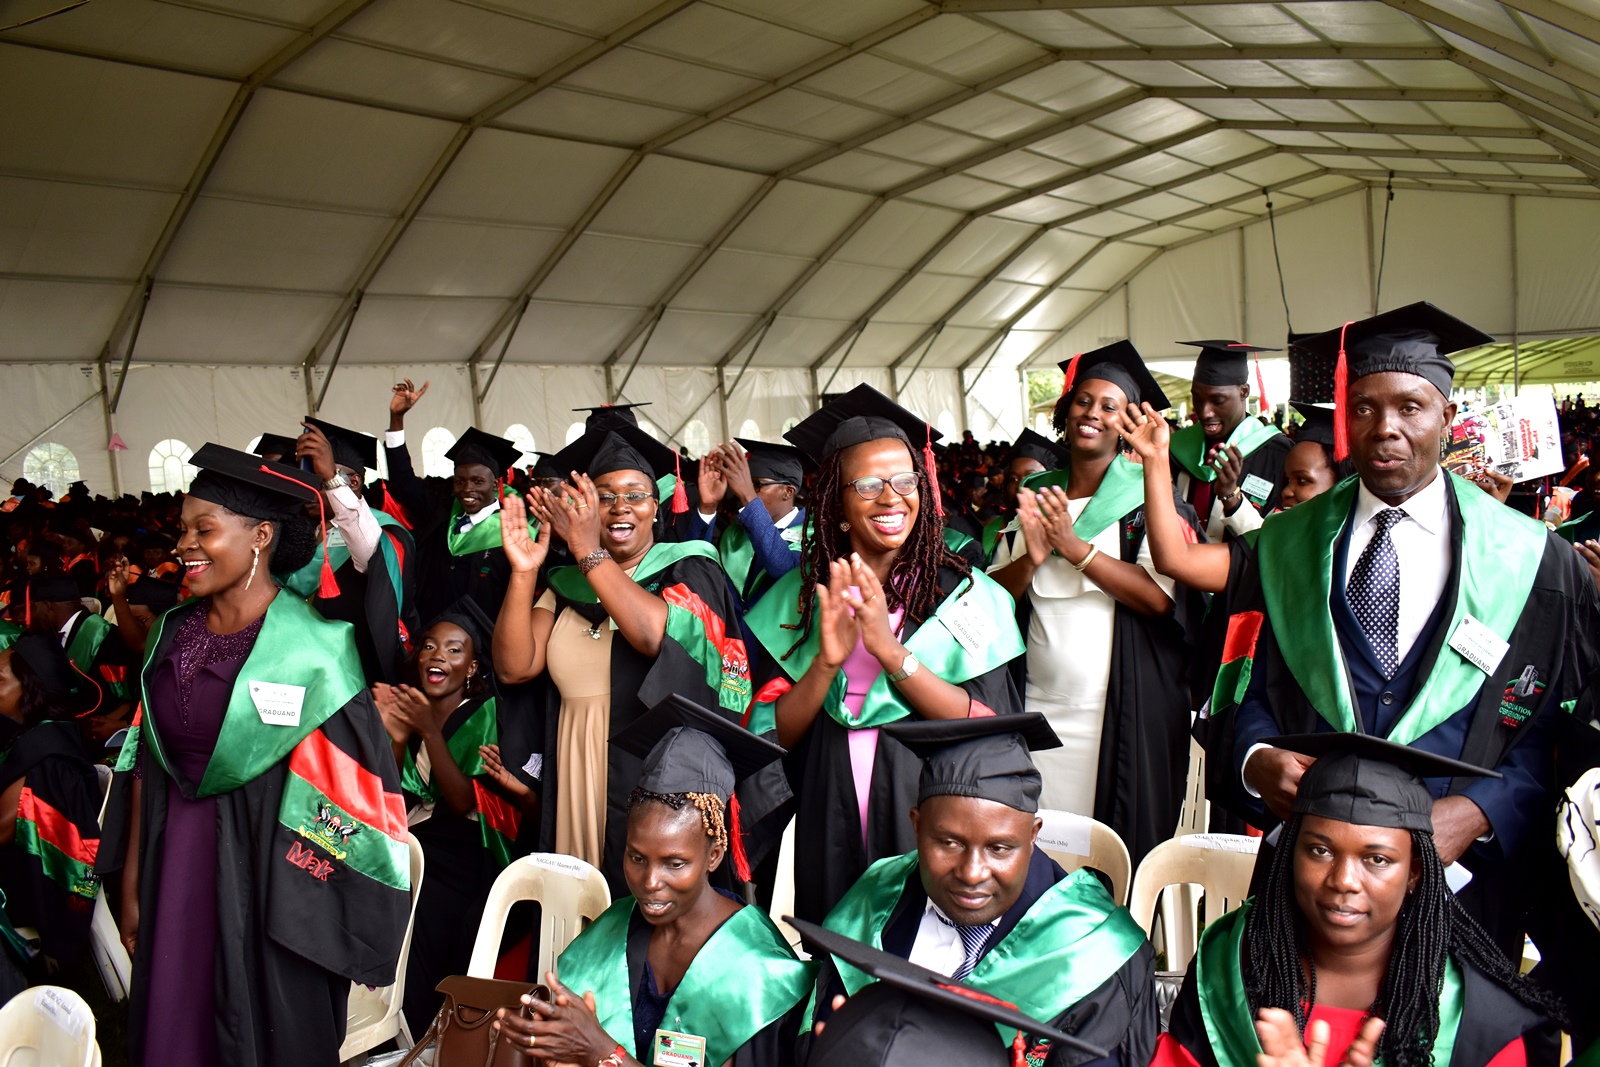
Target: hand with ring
{"points": [[873, 618], [562, 1030]]}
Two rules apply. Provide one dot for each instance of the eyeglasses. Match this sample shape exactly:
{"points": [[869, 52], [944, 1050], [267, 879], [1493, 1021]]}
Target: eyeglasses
{"points": [[633, 499], [872, 488]]}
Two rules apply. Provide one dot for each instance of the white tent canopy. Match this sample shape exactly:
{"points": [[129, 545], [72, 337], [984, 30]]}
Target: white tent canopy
{"points": [[216, 215]]}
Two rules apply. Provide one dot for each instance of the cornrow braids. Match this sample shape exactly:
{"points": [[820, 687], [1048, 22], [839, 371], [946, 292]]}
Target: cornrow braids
{"points": [[1431, 927], [708, 804], [913, 585]]}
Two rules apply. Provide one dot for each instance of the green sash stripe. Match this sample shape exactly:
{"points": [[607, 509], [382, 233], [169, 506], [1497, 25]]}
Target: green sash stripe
{"points": [[935, 647], [1068, 944], [9, 632], [703, 634], [1188, 445], [1121, 491], [481, 537], [72, 875], [296, 646], [767, 980], [369, 851], [85, 646], [130, 750], [1295, 550], [1225, 1010], [737, 554], [571, 583], [304, 582], [481, 728]]}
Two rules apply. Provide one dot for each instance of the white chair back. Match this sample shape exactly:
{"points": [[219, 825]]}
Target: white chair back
{"points": [[1220, 864], [1195, 815], [1076, 841], [569, 892], [373, 1015], [47, 1026]]}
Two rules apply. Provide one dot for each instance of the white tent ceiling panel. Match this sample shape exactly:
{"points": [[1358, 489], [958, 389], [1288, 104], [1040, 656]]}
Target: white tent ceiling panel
{"points": [[738, 281], [880, 83], [1361, 23], [841, 291], [1558, 265], [1055, 29], [994, 303], [994, 116], [953, 347], [1156, 73], [294, 148], [89, 119], [728, 39], [1151, 120], [49, 321], [38, 394], [461, 259], [1066, 88], [962, 193], [646, 77], [1099, 324], [799, 219], [1021, 170], [1096, 189], [1052, 313], [1242, 73], [1328, 73], [735, 144], [979, 247], [925, 298], [442, 330], [961, 49], [230, 242], [807, 114], [1045, 259], [693, 338], [1466, 113], [517, 178], [1105, 224], [897, 235], [1152, 26], [568, 113], [787, 342], [1161, 206], [1464, 269], [217, 326], [864, 171], [64, 228], [1083, 146], [615, 270], [567, 333], [579, 15], [1040, 210], [159, 33], [393, 79], [675, 200], [851, 376], [467, 34], [1107, 266], [1325, 268], [928, 144], [880, 343], [839, 20], [1188, 293]]}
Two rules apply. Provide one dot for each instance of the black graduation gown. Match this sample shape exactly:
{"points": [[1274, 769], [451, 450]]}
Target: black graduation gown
{"points": [[1144, 742], [367, 601], [442, 578], [1265, 462]]}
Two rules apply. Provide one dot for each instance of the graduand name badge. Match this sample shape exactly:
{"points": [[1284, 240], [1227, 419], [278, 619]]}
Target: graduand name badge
{"points": [[278, 703], [967, 622], [1256, 488], [672, 1049], [1479, 645]]}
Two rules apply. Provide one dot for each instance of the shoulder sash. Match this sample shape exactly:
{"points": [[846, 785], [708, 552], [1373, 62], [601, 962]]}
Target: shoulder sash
{"points": [[1121, 491], [1188, 445]]}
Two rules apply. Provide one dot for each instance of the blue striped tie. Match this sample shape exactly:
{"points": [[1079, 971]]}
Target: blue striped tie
{"points": [[973, 938]]}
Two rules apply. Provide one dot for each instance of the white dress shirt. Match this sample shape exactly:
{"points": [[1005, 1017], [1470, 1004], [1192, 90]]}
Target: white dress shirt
{"points": [[1421, 544], [938, 946], [352, 518], [66, 627]]}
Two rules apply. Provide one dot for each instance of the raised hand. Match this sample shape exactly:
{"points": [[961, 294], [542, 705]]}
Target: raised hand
{"points": [[496, 769], [1146, 432], [1029, 518], [1495, 484], [525, 552], [117, 577], [836, 623], [575, 510], [713, 486], [1227, 461], [402, 399], [871, 610], [736, 468], [394, 723], [314, 445]]}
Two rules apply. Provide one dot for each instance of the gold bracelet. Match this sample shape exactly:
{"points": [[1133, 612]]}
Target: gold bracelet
{"points": [[1094, 550]]}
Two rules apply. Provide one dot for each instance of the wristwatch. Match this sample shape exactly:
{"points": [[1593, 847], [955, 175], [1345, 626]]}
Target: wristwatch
{"points": [[340, 480], [908, 667]]}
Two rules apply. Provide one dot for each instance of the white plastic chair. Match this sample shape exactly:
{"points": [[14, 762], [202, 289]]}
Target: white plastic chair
{"points": [[569, 891], [1076, 841], [1220, 864], [47, 1026], [373, 1015], [783, 891], [1195, 815]]}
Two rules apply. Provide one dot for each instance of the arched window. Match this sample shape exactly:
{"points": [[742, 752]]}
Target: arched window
{"points": [[522, 437], [789, 424], [751, 429], [574, 432], [650, 428], [946, 424], [435, 443], [52, 466], [697, 438], [254, 441], [170, 469]]}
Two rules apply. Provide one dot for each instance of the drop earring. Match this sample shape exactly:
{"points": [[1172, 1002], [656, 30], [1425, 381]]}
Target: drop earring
{"points": [[844, 525], [254, 563]]}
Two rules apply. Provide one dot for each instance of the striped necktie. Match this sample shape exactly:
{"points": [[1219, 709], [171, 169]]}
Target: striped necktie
{"points": [[973, 938]]}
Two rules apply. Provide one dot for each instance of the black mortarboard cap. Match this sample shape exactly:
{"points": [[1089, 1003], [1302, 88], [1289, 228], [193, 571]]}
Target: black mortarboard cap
{"points": [[1318, 426], [68, 688], [53, 589], [1414, 339], [351, 448], [774, 462], [912, 1017], [1031, 445], [985, 757], [1310, 371], [485, 449], [153, 593], [470, 618], [251, 486], [610, 416], [544, 466], [275, 444], [688, 749], [1120, 364], [1365, 780], [1223, 362], [861, 415], [622, 448]]}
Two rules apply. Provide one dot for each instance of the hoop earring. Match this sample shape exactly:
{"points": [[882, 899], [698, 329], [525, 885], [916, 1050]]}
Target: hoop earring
{"points": [[254, 563], [844, 525]]}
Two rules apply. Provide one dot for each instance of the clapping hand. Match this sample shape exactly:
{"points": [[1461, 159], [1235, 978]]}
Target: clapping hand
{"points": [[1228, 462], [838, 626], [525, 552], [496, 769], [1281, 1047], [1031, 521], [1057, 518], [736, 469]]}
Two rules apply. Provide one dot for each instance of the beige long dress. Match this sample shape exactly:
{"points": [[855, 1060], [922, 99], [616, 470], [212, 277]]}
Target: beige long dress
{"points": [[579, 662]]}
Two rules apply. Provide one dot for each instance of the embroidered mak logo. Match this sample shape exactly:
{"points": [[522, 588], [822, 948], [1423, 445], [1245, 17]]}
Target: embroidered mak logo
{"points": [[330, 829], [309, 862]]}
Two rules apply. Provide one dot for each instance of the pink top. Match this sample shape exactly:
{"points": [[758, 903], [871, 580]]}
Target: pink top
{"points": [[861, 669]]}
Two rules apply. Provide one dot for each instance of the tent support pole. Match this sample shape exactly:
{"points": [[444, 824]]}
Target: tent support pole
{"points": [[480, 395], [30, 442], [108, 411], [839, 366], [1516, 296], [133, 339], [333, 364], [477, 394], [616, 393], [722, 403]]}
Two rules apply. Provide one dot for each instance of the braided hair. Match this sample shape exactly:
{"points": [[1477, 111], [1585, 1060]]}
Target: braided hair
{"points": [[708, 804], [1431, 926], [913, 585]]}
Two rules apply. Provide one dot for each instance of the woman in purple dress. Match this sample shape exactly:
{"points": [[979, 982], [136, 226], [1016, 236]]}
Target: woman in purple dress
{"points": [[269, 828]]}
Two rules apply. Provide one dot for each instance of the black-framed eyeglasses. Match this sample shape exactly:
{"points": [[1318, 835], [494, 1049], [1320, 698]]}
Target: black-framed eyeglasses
{"points": [[633, 499], [871, 488]]}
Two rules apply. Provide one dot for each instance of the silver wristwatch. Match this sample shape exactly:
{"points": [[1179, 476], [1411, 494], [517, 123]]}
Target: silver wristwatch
{"points": [[908, 667], [340, 480]]}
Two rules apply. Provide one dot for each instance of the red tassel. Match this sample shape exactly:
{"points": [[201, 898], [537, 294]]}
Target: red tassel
{"points": [[327, 587], [1019, 1050], [27, 606], [680, 496], [393, 509], [100, 694], [929, 461], [1072, 372], [1261, 389], [1341, 413], [741, 861]]}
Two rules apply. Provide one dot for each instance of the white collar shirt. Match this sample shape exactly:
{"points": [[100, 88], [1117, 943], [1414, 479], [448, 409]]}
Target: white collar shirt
{"points": [[1421, 544], [938, 946]]}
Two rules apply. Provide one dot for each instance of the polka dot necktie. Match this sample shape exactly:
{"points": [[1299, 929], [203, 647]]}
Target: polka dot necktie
{"points": [[973, 938], [1374, 592]]}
